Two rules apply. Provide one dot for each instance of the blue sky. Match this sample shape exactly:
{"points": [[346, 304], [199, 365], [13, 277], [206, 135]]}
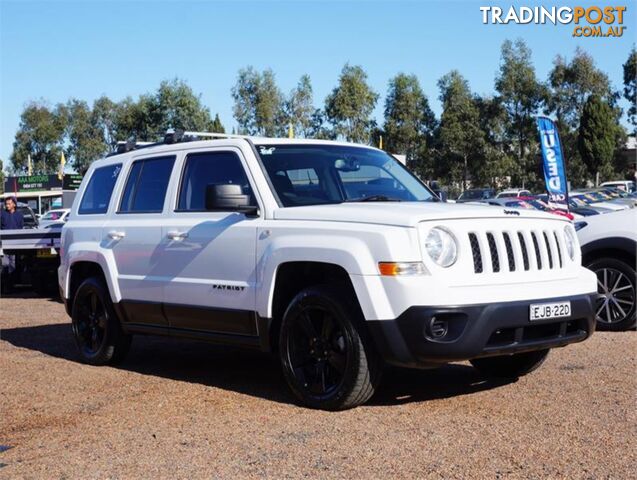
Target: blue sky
{"points": [[57, 50]]}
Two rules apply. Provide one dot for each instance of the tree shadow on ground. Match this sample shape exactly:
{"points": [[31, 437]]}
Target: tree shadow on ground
{"points": [[245, 371]]}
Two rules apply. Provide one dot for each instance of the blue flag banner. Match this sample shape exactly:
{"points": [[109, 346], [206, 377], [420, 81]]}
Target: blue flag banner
{"points": [[554, 167]]}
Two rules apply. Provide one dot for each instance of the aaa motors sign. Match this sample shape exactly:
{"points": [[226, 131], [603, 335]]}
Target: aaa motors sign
{"points": [[592, 21]]}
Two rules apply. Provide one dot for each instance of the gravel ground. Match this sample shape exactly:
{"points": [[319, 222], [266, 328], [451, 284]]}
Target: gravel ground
{"points": [[179, 409]]}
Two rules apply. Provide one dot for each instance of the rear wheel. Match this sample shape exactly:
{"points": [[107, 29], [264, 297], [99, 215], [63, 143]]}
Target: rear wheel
{"points": [[327, 358], [615, 307], [96, 328], [510, 366]]}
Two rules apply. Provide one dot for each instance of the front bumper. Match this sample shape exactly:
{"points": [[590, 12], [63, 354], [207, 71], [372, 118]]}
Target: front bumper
{"points": [[414, 338]]}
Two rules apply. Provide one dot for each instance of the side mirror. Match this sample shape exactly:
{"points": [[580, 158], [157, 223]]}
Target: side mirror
{"points": [[229, 197]]}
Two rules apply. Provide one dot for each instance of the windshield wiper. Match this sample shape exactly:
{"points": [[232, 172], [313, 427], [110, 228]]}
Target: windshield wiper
{"points": [[374, 198]]}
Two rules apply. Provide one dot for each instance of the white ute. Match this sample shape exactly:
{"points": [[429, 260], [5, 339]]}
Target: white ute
{"points": [[331, 254]]}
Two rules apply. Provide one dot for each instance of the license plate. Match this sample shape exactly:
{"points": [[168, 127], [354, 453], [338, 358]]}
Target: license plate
{"points": [[544, 311], [45, 253]]}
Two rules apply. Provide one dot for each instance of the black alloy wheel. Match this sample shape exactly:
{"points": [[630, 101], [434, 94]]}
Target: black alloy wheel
{"points": [[96, 328], [328, 359], [319, 350]]}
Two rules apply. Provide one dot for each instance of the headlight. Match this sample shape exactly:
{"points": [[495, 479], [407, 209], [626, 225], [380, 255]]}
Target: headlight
{"points": [[441, 246], [571, 241]]}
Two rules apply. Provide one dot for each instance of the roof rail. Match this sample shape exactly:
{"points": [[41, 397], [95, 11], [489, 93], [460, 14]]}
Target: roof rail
{"points": [[176, 136], [170, 137]]}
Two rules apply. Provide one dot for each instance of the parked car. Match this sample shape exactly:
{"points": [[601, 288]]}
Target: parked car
{"points": [[56, 216], [609, 244], [616, 193], [331, 254], [474, 194], [513, 193], [529, 203], [597, 201], [625, 185]]}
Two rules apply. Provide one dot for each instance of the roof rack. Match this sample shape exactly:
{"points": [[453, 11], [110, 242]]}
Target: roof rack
{"points": [[171, 137]]}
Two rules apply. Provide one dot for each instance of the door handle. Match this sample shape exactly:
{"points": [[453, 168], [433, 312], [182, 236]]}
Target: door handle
{"points": [[175, 235], [115, 235]]}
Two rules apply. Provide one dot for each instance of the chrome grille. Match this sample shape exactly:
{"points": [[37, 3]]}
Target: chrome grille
{"points": [[493, 251]]}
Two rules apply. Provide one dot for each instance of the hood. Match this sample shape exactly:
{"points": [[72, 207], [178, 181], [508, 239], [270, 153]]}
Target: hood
{"points": [[402, 214]]}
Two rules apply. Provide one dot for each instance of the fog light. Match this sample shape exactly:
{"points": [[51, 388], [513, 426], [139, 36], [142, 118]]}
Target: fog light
{"points": [[438, 328]]}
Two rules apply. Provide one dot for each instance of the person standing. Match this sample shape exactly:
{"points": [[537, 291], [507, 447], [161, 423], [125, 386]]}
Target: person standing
{"points": [[10, 219]]}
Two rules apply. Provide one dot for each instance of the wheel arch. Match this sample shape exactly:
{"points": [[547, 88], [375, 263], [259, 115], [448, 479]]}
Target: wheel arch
{"points": [[290, 278], [79, 271], [614, 247]]}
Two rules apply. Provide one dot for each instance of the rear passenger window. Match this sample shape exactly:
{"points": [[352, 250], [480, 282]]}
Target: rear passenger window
{"points": [[146, 186], [98, 192], [210, 168]]}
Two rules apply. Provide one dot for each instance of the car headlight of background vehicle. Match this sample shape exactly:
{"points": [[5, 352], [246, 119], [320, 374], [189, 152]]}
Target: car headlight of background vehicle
{"points": [[441, 246], [571, 241]]}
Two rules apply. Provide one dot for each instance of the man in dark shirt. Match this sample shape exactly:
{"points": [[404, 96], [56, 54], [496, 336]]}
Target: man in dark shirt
{"points": [[10, 219]]}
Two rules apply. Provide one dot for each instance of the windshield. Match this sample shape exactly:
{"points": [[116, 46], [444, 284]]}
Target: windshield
{"points": [[322, 174]]}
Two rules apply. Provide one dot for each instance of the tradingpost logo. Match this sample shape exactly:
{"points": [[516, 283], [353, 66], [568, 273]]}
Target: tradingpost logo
{"points": [[604, 21]]}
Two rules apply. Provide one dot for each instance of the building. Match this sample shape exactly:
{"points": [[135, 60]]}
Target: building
{"points": [[43, 192]]}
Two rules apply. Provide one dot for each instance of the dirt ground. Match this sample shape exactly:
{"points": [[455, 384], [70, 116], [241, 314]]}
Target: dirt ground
{"points": [[179, 409]]}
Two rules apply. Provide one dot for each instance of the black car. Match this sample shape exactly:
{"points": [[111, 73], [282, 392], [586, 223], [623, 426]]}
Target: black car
{"points": [[476, 194]]}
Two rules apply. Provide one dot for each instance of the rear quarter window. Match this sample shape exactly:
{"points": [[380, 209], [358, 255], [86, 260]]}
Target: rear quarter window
{"points": [[99, 190]]}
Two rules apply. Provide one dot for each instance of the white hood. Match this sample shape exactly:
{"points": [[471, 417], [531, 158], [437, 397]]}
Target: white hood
{"points": [[403, 214]]}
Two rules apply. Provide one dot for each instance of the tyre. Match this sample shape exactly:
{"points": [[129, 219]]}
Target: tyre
{"points": [[615, 307], [96, 328], [510, 366], [328, 360]]}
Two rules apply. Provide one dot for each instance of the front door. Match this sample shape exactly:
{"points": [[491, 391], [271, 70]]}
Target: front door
{"points": [[208, 258]]}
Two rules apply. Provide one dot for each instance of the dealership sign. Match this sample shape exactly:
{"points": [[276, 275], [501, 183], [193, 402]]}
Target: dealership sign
{"points": [[38, 183], [554, 167]]}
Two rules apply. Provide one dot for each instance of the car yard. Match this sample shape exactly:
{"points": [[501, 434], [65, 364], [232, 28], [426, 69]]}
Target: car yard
{"points": [[176, 409]]}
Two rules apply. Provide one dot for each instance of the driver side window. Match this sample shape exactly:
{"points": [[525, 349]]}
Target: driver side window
{"points": [[210, 168]]}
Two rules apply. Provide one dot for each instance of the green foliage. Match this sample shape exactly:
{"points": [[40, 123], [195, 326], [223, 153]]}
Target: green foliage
{"points": [[630, 87], [350, 105], [409, 121], [499, 164], [572, 83], [598, 135], [521, 95], [258, 103], [85, 135], [299, 109], [461, 141], [41, 135], [176, 106], [217, 126]]}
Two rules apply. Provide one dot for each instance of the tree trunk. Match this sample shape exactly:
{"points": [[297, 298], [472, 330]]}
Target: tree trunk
{"points": [[464, 174]]}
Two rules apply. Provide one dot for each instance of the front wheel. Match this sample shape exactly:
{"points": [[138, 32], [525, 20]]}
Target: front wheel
{"points": [[96, 328], [617, 295], [328, 360], [510, 366]]}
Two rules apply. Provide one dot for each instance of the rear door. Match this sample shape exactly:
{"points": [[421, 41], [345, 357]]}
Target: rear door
{"points": [[208, 258], [134, 233]]}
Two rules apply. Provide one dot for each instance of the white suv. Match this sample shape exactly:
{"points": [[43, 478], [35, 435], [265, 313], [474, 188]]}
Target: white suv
{"points": [[331, 254]]}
